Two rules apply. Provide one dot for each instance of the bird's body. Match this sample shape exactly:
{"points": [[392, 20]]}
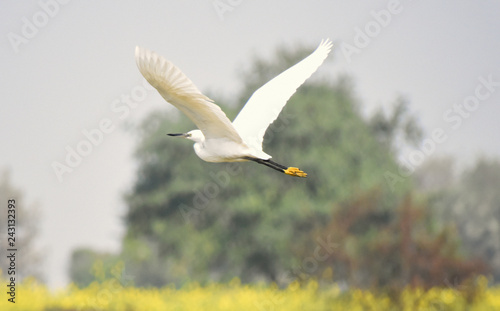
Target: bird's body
{"points": [[217, 139], [220, 149]]}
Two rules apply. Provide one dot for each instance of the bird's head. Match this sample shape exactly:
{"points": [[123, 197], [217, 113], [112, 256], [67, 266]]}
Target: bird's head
{"points": [[194, 135]]}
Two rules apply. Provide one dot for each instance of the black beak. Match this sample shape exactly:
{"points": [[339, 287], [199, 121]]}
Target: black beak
{"points": [[179, 134]]}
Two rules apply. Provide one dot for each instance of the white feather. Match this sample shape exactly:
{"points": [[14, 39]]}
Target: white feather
{"points": [[266, 103], [219, 139], [181, 92]]}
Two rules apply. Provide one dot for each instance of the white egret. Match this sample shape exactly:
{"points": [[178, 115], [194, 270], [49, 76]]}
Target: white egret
{"points": [[217, 139]]}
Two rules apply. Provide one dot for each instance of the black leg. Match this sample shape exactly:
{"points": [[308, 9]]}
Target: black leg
{"points": [[293, 171], [276, 164], [268, 163]]}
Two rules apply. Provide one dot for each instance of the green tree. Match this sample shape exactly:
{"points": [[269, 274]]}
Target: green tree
{"points": [[192, 220], [87, 266], [436, 176], [390, 249], [396, 129], [472, 206]]}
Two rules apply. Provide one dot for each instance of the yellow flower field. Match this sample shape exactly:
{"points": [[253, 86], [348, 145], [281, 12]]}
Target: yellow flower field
{"points": [[110, 295]]}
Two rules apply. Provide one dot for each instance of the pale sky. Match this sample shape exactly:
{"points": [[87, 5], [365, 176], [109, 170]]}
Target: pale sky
{"points": [[68, 68]]}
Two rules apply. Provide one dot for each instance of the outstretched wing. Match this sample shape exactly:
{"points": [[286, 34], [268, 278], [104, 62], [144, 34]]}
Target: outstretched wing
{"points": [[181, 92], [266, 103]]}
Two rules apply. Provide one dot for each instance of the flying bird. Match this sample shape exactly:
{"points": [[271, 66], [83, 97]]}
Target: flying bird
{"points": [[217, 139]]}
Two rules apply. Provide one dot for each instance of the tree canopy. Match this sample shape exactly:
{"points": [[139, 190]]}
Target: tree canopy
{"points": [[190, 220]]}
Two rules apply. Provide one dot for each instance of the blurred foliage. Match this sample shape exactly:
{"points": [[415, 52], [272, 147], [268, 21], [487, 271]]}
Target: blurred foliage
{"points": [[88, 265], [393, 249], [112, 295], [471, 205], [189, 220], [397, 128]]}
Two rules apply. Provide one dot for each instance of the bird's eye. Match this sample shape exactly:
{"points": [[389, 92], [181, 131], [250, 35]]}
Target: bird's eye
{"points": [[189, 135]]}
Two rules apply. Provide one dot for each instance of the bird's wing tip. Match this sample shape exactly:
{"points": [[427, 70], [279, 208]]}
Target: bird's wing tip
{"points": [[326, 43], [140, 51]]}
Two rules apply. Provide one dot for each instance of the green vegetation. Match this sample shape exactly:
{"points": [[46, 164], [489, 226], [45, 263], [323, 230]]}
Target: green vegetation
{"points": [[111, 295], [192, 221]]}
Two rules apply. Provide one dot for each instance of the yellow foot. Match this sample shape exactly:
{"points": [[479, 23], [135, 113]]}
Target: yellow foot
{"points": [[293, 171]]}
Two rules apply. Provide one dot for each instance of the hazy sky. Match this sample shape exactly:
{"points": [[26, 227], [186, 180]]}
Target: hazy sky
{"points": [[68, 68]]}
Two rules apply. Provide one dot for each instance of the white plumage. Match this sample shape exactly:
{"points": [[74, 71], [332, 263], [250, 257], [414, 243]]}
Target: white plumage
{"points": [[219, 140]]}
